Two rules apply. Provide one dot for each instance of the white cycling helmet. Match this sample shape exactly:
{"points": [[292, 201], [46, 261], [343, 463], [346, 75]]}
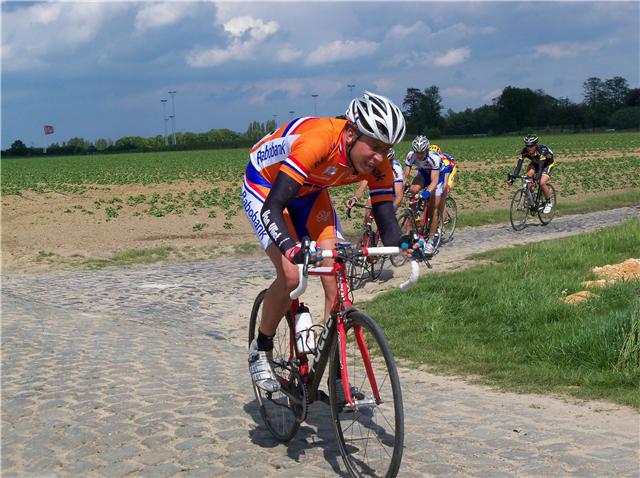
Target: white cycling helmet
{"points": [[391, 155], [378, 117], [420, 144]]}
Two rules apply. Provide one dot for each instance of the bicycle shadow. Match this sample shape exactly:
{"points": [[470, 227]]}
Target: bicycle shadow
{"points": [[315, 432]]}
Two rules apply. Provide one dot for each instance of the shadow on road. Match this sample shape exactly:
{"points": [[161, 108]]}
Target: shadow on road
{"points": [[307, 438]]}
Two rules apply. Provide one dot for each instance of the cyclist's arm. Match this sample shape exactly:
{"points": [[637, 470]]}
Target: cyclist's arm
{"points": [[398, 188], [516, 172], [282, 192], [405, 173], [360, 191], [385, 217], [435, 178]]}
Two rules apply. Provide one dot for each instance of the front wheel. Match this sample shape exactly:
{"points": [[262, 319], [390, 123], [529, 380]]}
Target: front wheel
{"points": [[370, 434], [546, 218], [280, 412], [519, 211]]}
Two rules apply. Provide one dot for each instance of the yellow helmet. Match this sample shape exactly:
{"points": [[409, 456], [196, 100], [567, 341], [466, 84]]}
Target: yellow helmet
{"points": [[436, 148]]}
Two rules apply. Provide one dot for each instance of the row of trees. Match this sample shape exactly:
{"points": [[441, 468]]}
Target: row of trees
{"points": [[606, 104], [213, 139]]}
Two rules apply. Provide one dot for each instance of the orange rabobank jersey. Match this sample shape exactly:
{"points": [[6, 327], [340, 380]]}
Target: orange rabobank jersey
{"points": [[310, 151]]}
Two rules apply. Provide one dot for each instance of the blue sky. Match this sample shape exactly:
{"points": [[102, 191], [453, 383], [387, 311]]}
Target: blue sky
{"points": [[100, 69]]}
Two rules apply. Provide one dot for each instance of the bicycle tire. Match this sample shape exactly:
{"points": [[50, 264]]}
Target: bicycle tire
{"points": [[546, 218], [376, 264], [406, 222], [519, 210], [371, 438], [450, 219], [276, 409]]}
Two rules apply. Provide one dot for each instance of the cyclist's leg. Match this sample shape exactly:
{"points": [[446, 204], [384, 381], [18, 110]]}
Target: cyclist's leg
{"points": [[277, 301], [546, 174], [322, 225]]}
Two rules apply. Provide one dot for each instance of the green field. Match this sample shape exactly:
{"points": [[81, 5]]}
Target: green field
{"points": [[483, 163], [507, 323]]}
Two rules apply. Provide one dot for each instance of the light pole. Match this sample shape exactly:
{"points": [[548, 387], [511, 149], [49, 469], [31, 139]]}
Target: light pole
{"points": [[315, 104], [291, 114], [351, 87], [173, 116], [164, 119]]}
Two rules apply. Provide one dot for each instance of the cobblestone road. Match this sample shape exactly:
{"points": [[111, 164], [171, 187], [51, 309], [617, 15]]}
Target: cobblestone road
{"points": [[142, 372]]}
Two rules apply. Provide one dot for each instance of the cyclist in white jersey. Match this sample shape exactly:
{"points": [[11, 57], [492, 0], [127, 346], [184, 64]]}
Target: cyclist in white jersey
{"points": [[429, 164]]}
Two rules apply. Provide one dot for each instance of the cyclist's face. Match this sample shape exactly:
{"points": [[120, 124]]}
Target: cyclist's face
{"points": [[531, 148], [368, 153]]}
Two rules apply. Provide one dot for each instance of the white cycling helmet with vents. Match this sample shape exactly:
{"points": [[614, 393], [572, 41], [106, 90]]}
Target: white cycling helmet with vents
{"points": [[420, 144], [378, 117]]}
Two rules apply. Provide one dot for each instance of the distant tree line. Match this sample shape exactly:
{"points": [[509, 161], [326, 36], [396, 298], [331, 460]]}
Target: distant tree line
{"points": [[213, 139], [606, 104]]}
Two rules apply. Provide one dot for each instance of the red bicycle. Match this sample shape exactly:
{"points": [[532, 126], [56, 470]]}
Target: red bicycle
{"points": [[364, 388]]}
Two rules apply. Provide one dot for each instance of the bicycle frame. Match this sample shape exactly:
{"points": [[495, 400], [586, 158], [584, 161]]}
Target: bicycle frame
{"points": [[532, 201], [313, 370]]}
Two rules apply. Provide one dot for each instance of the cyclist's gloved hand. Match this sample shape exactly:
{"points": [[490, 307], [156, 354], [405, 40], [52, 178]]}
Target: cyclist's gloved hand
{"points": [[351, 202], [509, 179], [295, 255], [413, 245], [425, 194]]}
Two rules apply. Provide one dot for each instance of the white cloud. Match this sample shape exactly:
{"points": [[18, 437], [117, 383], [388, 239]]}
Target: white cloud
{"points": [[453, 57], [32, 35], [287, 54], [160, 15], [341, 50], [240, 49], [237, 51], [558, 51], [401, 31], [258, 30]]}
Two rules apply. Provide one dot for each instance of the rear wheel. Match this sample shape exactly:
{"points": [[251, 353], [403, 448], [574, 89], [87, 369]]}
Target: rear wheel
{"points": [[371, 434], [546, 218], [519, 211], [283, 410], [449, 220]]}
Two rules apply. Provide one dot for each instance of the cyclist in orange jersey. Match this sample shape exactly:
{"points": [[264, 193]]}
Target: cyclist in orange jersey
{"points": [[285, 197]]}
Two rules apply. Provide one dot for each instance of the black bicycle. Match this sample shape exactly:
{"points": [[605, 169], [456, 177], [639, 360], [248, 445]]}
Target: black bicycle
{"points": [[529, 201]]}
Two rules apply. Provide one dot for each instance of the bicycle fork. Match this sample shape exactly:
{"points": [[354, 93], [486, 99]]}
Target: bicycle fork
{"points": [[352, 403]]}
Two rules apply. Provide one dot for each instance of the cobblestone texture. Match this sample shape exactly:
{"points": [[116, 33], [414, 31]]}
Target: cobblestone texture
{"points": [[142, 372]]}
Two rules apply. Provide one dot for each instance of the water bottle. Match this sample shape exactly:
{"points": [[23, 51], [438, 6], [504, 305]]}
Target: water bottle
{"points": [[305, 338]]}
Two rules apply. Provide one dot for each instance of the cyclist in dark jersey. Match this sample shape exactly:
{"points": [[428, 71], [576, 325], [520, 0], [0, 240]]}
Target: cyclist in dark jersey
{"points": [[540, 166]]}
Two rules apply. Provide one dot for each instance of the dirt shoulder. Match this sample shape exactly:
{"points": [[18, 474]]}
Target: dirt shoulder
{"points": [[48, 231]]}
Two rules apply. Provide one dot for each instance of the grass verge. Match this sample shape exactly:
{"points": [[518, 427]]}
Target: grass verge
{"points": [[507, 324], [564, 208]]}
